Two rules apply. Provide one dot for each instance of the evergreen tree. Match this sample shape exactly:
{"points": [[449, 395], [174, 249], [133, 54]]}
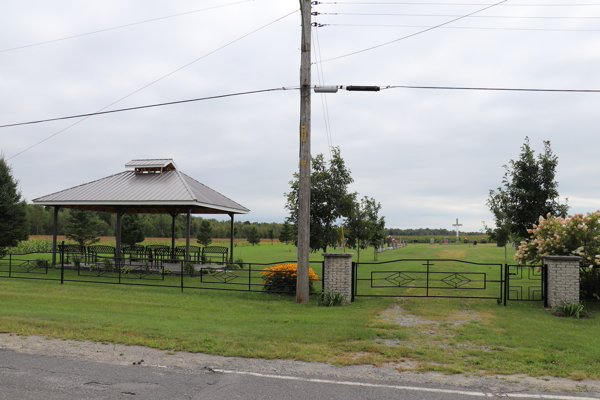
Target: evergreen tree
{"points": [[132, 229], [271, 234], [204, 236], [286, 233], [83, 227], [13, 211], [253, 236]]}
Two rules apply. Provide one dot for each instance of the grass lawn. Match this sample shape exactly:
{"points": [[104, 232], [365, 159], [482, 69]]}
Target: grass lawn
{"points": [[448, 335]]}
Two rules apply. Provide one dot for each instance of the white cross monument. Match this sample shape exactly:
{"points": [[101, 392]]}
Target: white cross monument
{"points": [[457, 225]]}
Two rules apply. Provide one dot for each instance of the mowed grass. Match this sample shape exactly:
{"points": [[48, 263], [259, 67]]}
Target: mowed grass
{"points": [[451, 335]]}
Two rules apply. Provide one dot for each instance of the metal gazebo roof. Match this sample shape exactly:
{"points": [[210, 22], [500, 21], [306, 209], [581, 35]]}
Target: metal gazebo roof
{"points": [[155, 186]]}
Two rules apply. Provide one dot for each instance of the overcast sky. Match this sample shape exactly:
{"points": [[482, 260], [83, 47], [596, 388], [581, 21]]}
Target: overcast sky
{"points": [[428, 156]]}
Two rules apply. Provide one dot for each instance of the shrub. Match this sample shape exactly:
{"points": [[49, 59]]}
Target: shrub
{"points": [[575, 235], [332, 299], [189, 268], [76, 261], [127, 270], [570, 310], [282, 278], [167, 271]]}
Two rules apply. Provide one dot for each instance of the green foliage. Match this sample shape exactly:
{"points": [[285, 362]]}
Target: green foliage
{"points": [[253, 236], [132, 229], [13, 214], [286, 234], [364, 227], [329, 199], [271, 234], [127, 270], [167, 271], [570, 310], [332, 299], [189, 269], [529, 191], [76, 261], [204, 236], [108, 265], [83, 227]]}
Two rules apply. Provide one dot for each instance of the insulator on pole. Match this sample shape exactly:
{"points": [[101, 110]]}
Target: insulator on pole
{"points": [[363, 88], [326, 89]]}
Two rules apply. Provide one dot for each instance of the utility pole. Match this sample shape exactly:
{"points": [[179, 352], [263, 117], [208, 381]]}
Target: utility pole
{"points": [[305, 158]]}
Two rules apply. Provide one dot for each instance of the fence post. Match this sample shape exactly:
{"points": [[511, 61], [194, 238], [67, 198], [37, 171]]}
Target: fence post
{"points": [[338, 278], [62, 262], [562, 279], [9, 265]]}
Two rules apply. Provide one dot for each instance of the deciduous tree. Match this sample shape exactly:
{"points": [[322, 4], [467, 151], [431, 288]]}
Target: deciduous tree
{"points": [[329, 199], [529, 191]]}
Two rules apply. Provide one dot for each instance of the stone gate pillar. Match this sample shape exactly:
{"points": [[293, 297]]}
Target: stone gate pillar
{"points": [[337, 274], [563, 279]]}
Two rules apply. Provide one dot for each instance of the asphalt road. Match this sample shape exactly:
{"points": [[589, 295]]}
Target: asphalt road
{"points": [[26, 376]]}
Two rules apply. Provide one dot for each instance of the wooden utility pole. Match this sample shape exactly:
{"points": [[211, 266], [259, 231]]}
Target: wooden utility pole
{"points": [[305, 158]]}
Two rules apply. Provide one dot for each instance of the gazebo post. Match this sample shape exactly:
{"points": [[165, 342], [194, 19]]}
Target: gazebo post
{"points": [[187, 234], [232, 236], [173, 215], [54, 234]]}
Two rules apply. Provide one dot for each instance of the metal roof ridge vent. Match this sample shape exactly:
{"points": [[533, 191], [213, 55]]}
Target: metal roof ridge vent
{"points": [[152, 165]]}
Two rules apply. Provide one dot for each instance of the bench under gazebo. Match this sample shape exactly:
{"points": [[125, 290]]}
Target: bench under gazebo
{"points": [[152, 186]]}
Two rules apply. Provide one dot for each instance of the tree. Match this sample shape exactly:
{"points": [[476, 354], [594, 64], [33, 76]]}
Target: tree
{"points": [[13, 211], [204, 236], [286, 234], [132, 229], [364, 227], [253, 236], [529, 192], [83, 227], [271, 234], [329, 199]]}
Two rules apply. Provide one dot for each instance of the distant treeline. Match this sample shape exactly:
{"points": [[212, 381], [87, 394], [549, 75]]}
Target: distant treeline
{"points": [[155, 225], [159, 225], [428, 232]]}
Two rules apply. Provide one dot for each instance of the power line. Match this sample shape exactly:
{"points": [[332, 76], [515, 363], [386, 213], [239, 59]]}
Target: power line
{"points": [[492, 89], [121, 26], [151, 83], [463, 27], [414, 34], [150, 106], [321, 78], [296, 88], [455, 4], [452, 16]]}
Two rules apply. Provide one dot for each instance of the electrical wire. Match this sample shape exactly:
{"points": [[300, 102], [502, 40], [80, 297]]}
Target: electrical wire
{"points": [[452, 16], [492, 88], [413, 34], [149, 106], [454, 4], [321, 78], [297, 88], [463, 27], [153, 82], [121, 26]]}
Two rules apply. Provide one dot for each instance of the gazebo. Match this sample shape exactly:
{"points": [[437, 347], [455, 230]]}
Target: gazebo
{"points": [[153, 186]]}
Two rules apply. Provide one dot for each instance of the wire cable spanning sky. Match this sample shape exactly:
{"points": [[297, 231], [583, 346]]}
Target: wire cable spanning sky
{"points": [[429, 150]]}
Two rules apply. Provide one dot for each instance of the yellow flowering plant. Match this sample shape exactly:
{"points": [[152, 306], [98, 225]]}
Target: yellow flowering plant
{"points": [[282, 278]]}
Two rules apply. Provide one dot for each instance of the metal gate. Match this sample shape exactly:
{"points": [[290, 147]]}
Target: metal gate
{"points": [[450, 279]]}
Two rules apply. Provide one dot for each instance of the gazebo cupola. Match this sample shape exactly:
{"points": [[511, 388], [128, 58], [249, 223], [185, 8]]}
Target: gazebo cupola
{"points": [[153, 166]]}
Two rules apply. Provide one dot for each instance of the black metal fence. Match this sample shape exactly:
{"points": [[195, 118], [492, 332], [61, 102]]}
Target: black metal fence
{"points": [[449, 279], [172, 273]]}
